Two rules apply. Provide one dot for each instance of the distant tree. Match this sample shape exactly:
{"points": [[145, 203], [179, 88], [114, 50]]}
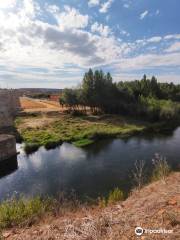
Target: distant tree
{"points": [[69, 98]]}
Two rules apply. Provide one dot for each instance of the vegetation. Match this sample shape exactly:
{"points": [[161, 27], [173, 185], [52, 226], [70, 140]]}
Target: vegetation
{"points": [[81, 131], [16, 211], [21, 211], [161, 168], [139, 174], [115, 196], [146, 98]]}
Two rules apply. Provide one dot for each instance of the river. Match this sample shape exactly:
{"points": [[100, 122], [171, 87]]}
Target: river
{"points": [[92, 171]]}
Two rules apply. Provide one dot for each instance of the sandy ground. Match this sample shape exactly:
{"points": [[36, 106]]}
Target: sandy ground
{"points": [[156, 206], [35, 105]]}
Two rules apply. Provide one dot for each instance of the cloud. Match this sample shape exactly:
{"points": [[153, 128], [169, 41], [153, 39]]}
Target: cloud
{"points": [[70, 18], [175, 47], [105, 6], [154, 39], [132, 76], [143, 15], [93, 3], [7, 4], [28, 41], [126, 5], [101, 29], [157, 12], [125, 33], [145, 61], [34, 52], [173, 36], [52, 8]]}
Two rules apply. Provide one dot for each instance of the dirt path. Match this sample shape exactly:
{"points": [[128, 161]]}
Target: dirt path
{"points": [[156, 206]]}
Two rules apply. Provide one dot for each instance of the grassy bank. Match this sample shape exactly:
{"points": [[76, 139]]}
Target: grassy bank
{"points": [[81, 131], [23, 212]]}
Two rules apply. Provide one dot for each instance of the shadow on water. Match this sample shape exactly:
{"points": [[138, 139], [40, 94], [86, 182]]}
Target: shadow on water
{"points": [[8, 166]]}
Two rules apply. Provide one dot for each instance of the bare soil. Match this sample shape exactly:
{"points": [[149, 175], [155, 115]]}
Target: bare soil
{"points": [[156, 206], [33, 105]]}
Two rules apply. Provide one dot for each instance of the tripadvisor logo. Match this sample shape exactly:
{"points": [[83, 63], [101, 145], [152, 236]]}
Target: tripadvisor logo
{"points": [[139, 231]]}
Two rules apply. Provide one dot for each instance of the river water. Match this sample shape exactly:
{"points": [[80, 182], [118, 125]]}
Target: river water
{"points": [[92, 171]]}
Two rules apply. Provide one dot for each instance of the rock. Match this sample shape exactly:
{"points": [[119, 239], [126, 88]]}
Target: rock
{"points": [[6, 234]]}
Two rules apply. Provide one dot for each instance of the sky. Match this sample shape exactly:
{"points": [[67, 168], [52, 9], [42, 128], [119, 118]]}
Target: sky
{"points": [[52, 43]]}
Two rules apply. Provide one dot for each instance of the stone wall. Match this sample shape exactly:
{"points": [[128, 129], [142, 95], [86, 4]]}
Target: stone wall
{"points": [[7, 147], [9, 106]]}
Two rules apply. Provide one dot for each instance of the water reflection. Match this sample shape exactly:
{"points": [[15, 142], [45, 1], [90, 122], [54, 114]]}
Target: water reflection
{"points": [[92, 171]]}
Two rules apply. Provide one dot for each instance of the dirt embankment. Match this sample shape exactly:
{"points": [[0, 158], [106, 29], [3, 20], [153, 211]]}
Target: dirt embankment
{"points": [[155, 207]]}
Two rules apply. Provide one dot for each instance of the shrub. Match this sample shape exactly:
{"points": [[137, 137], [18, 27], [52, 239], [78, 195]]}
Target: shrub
{"points": [[31, 147], [161, 168], [115, 196], [139, 174], [16, 211]]}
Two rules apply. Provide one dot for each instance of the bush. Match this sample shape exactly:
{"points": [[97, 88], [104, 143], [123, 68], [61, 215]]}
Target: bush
{"points": [[138, 174], [31, 147], [161, 168], [16, 211], [115, 196]]}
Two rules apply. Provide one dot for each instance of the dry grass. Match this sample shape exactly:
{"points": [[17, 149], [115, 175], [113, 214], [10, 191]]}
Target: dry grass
{"points": [[29, 105], [155, 206]]}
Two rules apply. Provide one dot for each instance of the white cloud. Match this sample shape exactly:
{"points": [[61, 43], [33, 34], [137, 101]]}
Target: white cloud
{"points": [[173, 36], [105, 6], [125, 33], [7, 4], [175, 47], [157, 12], [101, 29], [70, 18], [92, 3], [160, 77], [154, 39], [145, 61], [52, 8], [143, 15], [126, 5], [28, 42]]}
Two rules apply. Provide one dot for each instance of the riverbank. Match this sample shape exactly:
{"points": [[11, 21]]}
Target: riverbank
{"points": [[52, 130], [156, 206]]}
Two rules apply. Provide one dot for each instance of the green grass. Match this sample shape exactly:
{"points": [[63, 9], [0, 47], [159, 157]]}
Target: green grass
{"points": [[115, 196], [83, 142], [17, 211], [81, 131], [26, 212]]}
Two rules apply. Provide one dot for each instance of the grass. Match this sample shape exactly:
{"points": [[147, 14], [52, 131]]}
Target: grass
{"points": [[81, 131], [17, 211], [161, 168], [25, 212]]}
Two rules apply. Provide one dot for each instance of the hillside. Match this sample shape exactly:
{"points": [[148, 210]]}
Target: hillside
{"points": [[156, 206]]}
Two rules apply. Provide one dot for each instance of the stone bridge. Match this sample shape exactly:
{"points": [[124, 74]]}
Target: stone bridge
{"points": [[9, 107]]}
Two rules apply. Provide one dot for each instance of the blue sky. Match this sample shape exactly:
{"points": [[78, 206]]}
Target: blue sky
{"points": [[51, 43]]}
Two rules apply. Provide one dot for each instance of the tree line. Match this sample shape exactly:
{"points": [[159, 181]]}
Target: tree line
{"points": [[145, 98]]}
